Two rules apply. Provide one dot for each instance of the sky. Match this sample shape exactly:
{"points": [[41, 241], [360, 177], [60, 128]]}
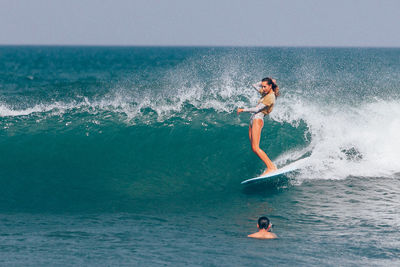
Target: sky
{"points": [[338, 23]]}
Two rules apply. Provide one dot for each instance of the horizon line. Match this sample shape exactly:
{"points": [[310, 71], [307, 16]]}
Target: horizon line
{"points": [[196, 46]]}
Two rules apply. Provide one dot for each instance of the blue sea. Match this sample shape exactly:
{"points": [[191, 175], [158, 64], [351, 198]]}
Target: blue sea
{"points": [[133, 156]]}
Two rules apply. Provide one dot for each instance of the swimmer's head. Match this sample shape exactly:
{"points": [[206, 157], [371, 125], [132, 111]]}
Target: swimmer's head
{"points": [[263, 223]]}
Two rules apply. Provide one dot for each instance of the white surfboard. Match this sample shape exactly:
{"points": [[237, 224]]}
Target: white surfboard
{"points": [[278, 172]]}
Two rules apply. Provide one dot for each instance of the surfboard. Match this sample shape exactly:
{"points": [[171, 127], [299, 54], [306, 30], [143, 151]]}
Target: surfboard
{"points": [[278, 172]]}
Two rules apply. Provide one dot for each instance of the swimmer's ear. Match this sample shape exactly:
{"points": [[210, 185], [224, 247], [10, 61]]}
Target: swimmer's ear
{"points": [[258, 226]]}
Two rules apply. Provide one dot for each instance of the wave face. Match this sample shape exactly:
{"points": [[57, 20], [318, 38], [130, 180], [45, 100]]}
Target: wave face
{"points": [[92, 127]]}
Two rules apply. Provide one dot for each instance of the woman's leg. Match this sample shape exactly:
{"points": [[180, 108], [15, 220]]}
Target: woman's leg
{"points": [[250, 134], [255, 144]]}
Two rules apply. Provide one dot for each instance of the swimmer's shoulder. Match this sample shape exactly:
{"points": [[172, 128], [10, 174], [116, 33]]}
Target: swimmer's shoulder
{"points": [[258, 235]]}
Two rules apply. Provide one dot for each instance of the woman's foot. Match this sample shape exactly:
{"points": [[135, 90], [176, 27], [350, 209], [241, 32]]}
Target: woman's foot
{"points": [[269, 170]]}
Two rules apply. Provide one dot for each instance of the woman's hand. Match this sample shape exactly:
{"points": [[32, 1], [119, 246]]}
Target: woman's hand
{"points": [[239, 110]]}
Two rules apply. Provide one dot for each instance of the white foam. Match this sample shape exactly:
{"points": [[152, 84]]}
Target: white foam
{"points": [[7, 111], [345, 140]]}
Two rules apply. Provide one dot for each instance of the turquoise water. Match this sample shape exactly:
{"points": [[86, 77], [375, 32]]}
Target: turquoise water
{"points": [[134, 155]]}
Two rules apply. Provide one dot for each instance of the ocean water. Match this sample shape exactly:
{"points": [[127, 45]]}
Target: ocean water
{"points": [[134, 156]]}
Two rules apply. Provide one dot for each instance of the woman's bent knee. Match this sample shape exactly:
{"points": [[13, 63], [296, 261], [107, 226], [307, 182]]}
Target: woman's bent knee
{"points": [[255, 149]]}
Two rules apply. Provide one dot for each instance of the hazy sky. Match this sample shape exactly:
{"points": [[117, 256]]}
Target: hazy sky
{"points": [[201, 22]]}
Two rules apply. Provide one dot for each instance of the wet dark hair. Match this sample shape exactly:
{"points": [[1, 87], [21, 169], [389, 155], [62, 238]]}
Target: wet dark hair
{"points": [[275, 87], [263, 223]]}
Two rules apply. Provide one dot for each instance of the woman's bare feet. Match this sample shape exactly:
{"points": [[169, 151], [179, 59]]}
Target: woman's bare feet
{"points": [[269, 170]]}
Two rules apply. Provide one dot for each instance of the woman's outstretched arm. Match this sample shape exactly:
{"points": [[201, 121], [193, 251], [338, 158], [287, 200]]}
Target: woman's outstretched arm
{"points": [[256, 109]]}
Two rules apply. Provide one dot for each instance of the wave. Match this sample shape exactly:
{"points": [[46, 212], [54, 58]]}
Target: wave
{"points": [[327, 115], [334, 140]]}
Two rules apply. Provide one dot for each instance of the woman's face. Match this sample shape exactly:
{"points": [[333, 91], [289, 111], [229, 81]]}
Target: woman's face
{"points": [[265, 87]]}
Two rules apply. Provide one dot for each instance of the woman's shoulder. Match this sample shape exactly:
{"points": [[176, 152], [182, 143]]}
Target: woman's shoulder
{"points": [[269, 99]]}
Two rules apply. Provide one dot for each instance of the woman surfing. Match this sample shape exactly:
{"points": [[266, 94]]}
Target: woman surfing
{"points": [[269, 91]]}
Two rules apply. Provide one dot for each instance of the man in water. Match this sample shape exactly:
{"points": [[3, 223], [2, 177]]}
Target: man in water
{"points": [[263, 229]]}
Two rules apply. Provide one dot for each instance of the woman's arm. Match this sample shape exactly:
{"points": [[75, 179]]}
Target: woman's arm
{"points": [[256, 109], [259, 107], [257, 86]]}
